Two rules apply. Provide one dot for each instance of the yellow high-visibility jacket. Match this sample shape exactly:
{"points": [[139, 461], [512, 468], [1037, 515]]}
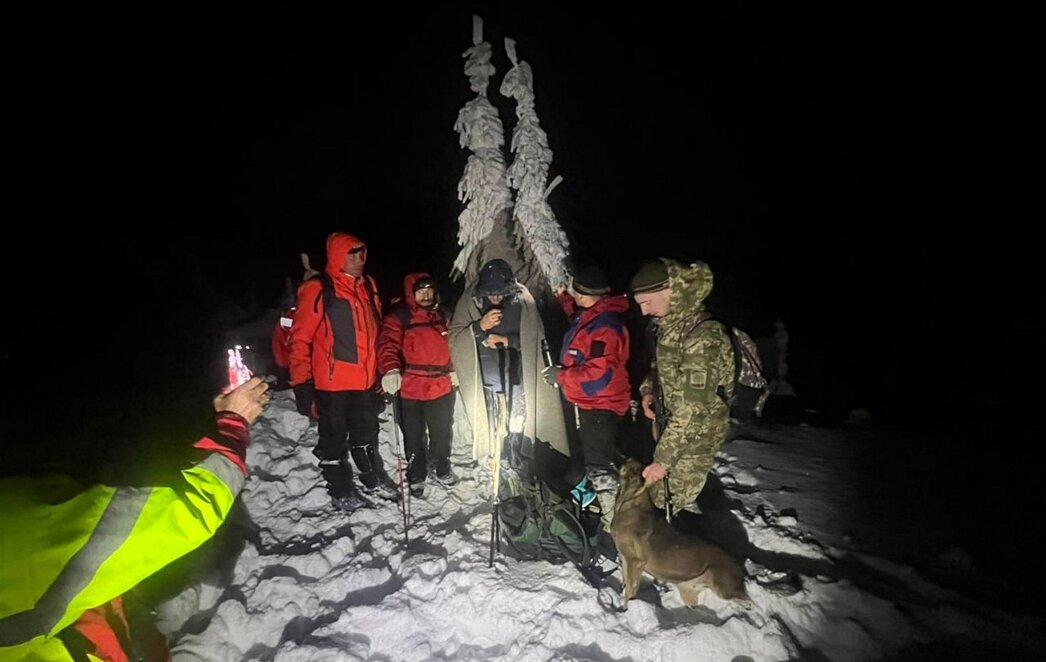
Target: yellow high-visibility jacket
{"points": [[65, 550]]}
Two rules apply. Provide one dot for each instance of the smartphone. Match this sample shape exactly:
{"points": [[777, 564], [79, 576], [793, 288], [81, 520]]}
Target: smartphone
{"points": [[237, 362]]}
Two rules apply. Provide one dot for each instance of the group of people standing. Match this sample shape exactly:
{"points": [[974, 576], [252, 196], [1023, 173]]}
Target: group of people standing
{"points": [[338, 348], [344, 354]]}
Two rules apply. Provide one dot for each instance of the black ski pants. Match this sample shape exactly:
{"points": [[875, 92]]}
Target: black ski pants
{"points": [[436, 416]]}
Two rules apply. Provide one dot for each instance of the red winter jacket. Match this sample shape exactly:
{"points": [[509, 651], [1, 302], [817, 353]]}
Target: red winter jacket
{"points": [[281, 339], [595, 351], [336, 348], [414, 341]]}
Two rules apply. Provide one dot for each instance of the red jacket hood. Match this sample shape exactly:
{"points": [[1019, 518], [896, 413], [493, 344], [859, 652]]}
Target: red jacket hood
{"points": [[338, 244], [408, 288]]}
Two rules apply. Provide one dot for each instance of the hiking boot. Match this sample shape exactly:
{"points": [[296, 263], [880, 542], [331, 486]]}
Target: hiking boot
{"points": [[582, 493], [417, 490], [384, 477], [374, 486], [447, 478], [350, 502]]}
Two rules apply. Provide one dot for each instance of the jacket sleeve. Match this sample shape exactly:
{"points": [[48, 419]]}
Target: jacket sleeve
{"points": [[605, 348], [390, 344], [114, 538], [469, 325], [692, 398], [307, 319]]}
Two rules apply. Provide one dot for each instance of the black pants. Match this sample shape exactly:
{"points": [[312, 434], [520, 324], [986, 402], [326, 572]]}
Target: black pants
{"points": [[593, 446], [438, 416], [348, 422]]}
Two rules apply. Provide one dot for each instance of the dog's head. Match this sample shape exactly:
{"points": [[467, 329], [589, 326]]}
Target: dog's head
{"points": [[631, 477]]}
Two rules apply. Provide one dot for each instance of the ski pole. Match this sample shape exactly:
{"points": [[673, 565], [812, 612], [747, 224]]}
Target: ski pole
{"points": [[404, 494]]}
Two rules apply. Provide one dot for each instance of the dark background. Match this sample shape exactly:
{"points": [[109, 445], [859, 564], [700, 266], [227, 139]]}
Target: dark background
{"points": [[855, 172]]}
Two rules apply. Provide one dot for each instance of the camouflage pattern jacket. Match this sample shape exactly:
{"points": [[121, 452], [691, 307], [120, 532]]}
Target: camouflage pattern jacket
{"points": [[691, 361]]}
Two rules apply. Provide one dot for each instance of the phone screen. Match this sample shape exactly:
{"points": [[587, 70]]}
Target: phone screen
{"points": [[238, 370]]}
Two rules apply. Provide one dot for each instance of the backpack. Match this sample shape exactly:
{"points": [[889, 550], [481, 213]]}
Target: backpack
{"points": [[539, 525], [751, 387], [327, 294]]}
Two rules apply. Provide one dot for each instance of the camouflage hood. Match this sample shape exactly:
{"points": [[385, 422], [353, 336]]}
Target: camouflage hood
{"points": [[690, 284]]}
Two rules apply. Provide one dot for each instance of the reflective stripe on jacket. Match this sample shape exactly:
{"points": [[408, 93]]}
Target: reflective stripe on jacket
{"points": [[67, 550]]}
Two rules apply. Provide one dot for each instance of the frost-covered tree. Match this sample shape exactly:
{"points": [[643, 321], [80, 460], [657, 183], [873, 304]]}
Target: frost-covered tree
{"points": [[484, 185], [536, 225]]}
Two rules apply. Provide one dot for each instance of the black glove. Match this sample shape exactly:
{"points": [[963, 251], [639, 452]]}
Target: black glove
{"points": [[304, 396], [551, 375]]}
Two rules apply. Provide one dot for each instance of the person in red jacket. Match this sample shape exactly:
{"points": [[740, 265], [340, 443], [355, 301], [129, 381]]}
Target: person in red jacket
{"points": [[334, 361], [414, 355], [593, 377], [281, 333]]}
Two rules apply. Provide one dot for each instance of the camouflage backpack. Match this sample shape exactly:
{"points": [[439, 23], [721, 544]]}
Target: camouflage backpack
{"points": [[751, 387]]}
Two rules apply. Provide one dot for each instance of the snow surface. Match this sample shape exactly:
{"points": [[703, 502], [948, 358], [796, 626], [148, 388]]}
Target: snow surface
{"points": [[315, 584]]}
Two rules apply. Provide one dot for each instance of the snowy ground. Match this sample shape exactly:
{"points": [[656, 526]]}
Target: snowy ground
{"points": [[315, 584]]}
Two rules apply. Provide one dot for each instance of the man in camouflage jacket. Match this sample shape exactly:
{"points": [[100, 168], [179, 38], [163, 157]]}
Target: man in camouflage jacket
{"points": [[690, 362]]}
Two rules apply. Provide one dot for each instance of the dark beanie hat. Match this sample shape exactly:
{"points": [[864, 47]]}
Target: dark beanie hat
{"points": [[650, 277], [591, 280], [495, 277]]}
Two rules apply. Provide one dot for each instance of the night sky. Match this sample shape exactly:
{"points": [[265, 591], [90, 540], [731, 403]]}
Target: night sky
{"points": [[852, 172]]}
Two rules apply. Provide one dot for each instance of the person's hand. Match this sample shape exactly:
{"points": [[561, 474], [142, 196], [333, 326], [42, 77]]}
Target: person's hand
{"points": [[551, 375], [490, 319], [454, 380], [304, 396], [494, 340], [654, 472], [391, 382], [648, 406], [247, 399]]}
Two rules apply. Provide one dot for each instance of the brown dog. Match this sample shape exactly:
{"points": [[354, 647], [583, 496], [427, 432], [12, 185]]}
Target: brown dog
{"points": [[646, 542]]}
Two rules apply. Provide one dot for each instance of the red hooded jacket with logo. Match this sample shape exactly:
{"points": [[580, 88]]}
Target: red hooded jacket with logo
{"points": [[414, 341], [595, 354], [281, 339], [336, 348]]}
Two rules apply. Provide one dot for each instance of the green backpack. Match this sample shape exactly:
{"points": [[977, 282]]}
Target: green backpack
{"points": [[539, 525]]}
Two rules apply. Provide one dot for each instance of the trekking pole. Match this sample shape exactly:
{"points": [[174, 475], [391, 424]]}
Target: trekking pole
{"points": [[404, 494], [495, 482], [501, 427]]}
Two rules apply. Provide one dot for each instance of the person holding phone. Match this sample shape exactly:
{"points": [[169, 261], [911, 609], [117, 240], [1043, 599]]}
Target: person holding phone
{"points": [[496, 337], [71, 552]]}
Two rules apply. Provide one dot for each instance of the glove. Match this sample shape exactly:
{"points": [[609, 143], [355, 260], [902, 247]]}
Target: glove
{"points": [[304, 396], [551, 375], [454, 380], [391, 382]]}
